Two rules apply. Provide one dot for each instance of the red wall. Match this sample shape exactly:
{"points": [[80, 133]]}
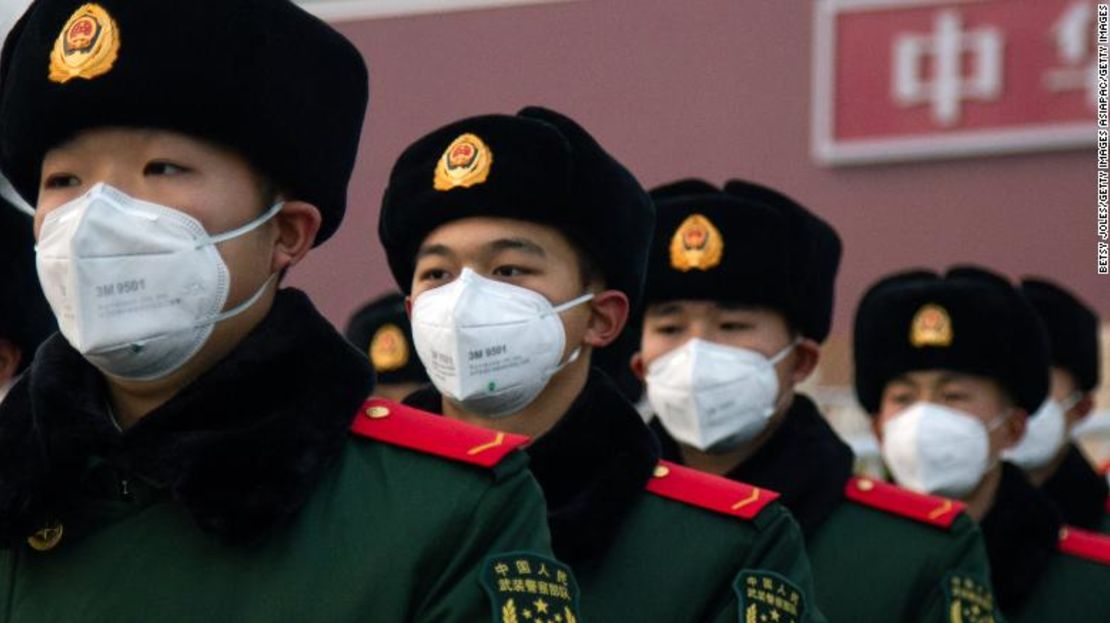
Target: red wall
{"points": [[713, 88]]}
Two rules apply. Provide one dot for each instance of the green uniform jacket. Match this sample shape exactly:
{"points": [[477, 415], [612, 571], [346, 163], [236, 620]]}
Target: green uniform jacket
{"points": [[1078, 491], [651, 541], [1043, 571], [246, 498], [879, 554]]}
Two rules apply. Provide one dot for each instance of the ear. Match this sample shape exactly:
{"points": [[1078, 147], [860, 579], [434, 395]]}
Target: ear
{"points": [[806, 356], [637, 365], [408, 306], [10, 356], [296, 227], [608, 315], [1014, 428]]}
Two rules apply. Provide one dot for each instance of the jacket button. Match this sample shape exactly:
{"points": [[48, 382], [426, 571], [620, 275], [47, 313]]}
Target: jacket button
{"points": [[865, 484], [377, 412], [661, 471]]}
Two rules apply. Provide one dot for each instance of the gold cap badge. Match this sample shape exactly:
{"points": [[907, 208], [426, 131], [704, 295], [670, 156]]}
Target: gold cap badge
{"points": [[931, 326], [465, 163], [47, 538], [87, 47], [696, 244], [389, 350]]}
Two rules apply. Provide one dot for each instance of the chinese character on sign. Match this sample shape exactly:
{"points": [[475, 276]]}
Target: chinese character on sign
{"points": [[1073, 36], [944, 50], [907, 80]]}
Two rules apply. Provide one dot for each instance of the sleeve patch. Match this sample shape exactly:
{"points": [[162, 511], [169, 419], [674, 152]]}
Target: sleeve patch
{"points": [[968, 600], [767, 597], [527, 588]]}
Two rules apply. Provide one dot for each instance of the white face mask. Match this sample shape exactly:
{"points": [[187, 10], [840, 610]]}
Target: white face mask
{"points": [[1045, 434], [136, 286], [487, 345], [930, 448], [714, 397]]}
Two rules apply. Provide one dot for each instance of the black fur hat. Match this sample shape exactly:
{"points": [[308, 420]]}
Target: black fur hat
{"points": [[262, 77], [746, 244], [381, 329], [1072, 330], [968, 320], [536, 166]]}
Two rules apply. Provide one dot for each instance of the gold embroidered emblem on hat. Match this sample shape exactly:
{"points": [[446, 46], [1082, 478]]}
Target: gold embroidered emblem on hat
{"points": [[87, 47], [465, 163], [931, 326], [696, 244], [389, 349]]}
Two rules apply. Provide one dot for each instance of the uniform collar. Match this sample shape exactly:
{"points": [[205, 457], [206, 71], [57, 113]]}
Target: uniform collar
{"points": [[592, 466], [805, 461], [241, 448], [1021, 532], [1078, 491]]}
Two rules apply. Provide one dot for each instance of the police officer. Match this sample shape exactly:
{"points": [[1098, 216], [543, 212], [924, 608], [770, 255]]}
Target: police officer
{"points": [[950, 365], [739, 300], [1046, 453], [381, 330], [522, 245], [182, 450], [25, 319]]}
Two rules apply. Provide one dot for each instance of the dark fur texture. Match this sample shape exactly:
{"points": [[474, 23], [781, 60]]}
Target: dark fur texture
{"points": [[241, 448], [1021, 531]]}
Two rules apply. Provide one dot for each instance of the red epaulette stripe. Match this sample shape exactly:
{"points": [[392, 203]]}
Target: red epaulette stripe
{"points": [[707, 491], [1084, 544], [933, 510], [411, 428]]}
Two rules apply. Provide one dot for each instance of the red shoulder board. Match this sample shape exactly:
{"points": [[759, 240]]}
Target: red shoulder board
{"points": [[1084, 544], [411, 428], [933, 510], [717, 494]]}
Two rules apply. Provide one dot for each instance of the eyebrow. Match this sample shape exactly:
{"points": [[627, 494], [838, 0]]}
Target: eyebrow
{"points": [[953, 377], [516, 244], [433, 249], [665, 309]]}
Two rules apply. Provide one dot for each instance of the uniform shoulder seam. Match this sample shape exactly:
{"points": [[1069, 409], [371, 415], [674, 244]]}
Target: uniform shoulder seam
{"points": [[929, 509], [714, 493], [410, 428], [1085, 544]]}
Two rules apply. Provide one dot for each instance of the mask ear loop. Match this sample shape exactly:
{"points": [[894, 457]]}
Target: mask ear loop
{"points": [[576, 353], [782, 354], [1070, 401], [562, 307], [246, 228]]}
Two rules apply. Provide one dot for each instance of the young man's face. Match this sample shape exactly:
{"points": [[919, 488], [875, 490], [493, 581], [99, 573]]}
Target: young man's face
{"points": [[671, 324], [216, 186], [520, 253], [979, 397]]}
